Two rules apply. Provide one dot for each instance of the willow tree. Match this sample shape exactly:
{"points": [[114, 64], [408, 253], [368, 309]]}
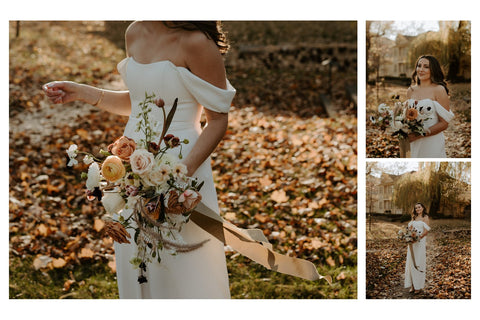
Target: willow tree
{"points": [[451, 45], [435, 184]]}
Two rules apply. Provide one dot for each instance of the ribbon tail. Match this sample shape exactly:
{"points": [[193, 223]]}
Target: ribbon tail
{"points": [[253, 244]]}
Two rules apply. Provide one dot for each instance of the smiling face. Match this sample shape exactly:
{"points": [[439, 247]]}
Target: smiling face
{"points": [[423, 70], [418, 209]]}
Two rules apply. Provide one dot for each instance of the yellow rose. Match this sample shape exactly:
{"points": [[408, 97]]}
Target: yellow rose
{"points": [[113, 169]]}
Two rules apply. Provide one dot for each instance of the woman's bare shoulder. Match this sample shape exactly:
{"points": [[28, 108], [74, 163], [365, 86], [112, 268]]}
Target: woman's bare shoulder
{"points": [[132, 32], [203, 58], [197, 40], [410, 90]]}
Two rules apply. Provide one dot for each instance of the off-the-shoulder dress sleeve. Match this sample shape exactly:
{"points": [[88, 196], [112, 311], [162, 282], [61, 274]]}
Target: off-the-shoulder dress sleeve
{"points": [[445, 114], [426, 226], [208, 95]]}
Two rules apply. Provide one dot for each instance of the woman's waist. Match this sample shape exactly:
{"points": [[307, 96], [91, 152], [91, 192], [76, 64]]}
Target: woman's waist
{"points": [[157, 124]]}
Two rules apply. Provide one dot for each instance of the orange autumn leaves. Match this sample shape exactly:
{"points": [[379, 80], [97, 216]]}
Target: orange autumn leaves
{"points": [[294, 178]]}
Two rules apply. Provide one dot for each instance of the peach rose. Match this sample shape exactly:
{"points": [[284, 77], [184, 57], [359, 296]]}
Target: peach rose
{"points": [[123, 148], [113, 169], [141, 161], [412, 114]]}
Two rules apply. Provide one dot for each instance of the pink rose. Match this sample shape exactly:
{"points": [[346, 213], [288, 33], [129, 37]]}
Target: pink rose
{"points": [[190, 199], [141, 161], [123, 147]]}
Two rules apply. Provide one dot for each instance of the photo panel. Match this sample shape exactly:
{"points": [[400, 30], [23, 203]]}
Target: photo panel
{"points": [[418, 230], [418, 89]]}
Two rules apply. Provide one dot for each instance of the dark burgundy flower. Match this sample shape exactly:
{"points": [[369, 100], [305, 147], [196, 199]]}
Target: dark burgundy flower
{"points": [[160, 103], [168, 137], [142, 279], [96, 193], [153, 147], [174, 142]]}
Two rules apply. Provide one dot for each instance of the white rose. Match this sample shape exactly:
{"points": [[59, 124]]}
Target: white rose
{"points": [[113, 202], [141, 161], [383, 107], [93, 179]]}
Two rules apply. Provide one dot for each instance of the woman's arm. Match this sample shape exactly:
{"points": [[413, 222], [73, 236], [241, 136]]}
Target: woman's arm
{"points": [[424, 233], [117, 102], [205, 61]]}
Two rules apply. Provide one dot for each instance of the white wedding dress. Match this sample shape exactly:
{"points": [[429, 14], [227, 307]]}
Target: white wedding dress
{"points": [[201, 273], [431, 146], [415, 276]]}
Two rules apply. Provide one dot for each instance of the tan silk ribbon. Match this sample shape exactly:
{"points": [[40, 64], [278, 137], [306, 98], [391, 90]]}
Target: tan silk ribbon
{"points": [[410, 246], [253, 244]]}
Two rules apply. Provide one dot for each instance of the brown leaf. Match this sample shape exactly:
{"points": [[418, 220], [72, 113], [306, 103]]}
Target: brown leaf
{"points": [[265, 181], [98, 225], [86, 253], [279, 196], [59, 263], [330, 261]]}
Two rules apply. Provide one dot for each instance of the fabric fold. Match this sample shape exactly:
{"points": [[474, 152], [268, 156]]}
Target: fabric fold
{"points": [[253, 244], [208, 95], [445, 114]]}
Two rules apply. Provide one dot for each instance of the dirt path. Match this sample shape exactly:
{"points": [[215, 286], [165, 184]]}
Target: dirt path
{"points": [[448, 262]]}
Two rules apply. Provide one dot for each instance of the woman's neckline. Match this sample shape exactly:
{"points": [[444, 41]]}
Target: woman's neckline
{"points": [[155, 62], [421, 99]]}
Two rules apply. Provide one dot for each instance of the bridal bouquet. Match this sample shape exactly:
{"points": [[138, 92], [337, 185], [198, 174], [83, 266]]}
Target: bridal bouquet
{"points": [[385, 114], [148, 184], [409, 235], [403, 118], [409, 120]]}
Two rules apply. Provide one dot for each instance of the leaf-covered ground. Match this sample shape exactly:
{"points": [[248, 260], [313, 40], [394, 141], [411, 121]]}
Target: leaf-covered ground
{"points": [[289, 172], [448, 274], [457, 136]]}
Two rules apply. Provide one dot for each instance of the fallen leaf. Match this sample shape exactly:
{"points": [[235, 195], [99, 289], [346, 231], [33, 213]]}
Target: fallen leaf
{"points": [[86, 253], [58, 263], [41, 262], [98, 225], [279, 196]]}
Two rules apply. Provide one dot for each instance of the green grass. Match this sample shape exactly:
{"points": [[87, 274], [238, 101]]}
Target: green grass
{"points": [[248, 280], [91, 281]]}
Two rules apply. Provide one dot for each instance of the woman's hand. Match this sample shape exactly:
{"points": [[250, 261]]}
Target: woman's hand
{"points": [[412, 137], [117, 102], [62, 91]]}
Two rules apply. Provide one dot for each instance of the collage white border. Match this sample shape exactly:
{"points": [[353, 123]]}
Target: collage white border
{"points": [[360, 11]]}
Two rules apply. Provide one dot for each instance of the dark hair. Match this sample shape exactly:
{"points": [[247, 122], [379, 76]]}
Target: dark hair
{"points": [[424, 212], [212, 29], [436, 72]]}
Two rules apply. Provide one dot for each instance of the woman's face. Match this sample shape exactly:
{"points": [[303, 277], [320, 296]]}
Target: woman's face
{"points": [[418, 208], [423, 69]]}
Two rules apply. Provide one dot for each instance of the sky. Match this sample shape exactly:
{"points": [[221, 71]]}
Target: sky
{"points": [[415, 27], [397, 167], [412, 27]]}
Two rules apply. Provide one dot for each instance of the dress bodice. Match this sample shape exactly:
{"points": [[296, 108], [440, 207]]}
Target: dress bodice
{"points": [[431, 110], [168, 81], [420, 226]]}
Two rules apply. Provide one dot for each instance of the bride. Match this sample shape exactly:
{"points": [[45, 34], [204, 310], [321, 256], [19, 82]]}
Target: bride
{"points": [[431, 94], [173, 60], [182, 60], [415, 267]]}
